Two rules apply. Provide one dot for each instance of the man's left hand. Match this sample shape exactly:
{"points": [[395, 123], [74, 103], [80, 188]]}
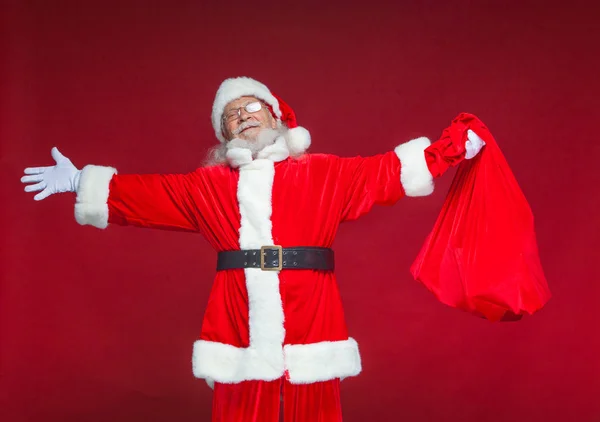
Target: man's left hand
{"points": [[473, 145]]}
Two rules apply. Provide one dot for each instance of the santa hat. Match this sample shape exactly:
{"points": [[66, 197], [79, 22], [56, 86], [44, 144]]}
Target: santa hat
{"points": [[298, 138]]}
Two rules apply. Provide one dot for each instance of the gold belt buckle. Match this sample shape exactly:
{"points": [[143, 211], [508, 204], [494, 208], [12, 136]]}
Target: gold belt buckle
{"points": [[263, 251]]}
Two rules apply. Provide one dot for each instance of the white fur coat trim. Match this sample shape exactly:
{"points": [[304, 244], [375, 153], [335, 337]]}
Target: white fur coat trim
{"points": [[305, 363], [263, 358], [266, 358], [414, 173], [92, 196], [308, 363], [264, 301], [228, 364]]}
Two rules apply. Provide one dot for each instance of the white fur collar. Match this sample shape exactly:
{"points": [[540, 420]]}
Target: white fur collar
{"points": [[277, 151]]}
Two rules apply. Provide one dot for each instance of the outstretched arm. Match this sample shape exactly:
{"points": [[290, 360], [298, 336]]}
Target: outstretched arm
{"points": [[167, 202], [422, 161], [408, 170]]}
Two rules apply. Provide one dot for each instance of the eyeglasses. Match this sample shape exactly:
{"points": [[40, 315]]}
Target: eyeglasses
{"points": [[251, 107]]}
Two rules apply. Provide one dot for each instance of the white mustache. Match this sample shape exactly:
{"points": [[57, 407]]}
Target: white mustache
{"points": [[244, 126]]}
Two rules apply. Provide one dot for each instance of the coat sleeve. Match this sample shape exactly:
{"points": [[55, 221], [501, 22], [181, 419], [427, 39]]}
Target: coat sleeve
{"points": [[408, 170], [161, 201]]}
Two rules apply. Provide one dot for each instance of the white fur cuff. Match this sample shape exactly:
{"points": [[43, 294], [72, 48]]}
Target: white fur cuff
{"points": [[414, 173], [92, 196]]}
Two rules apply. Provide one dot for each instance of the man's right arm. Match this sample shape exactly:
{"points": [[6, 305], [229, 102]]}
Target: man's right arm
{"points": [[103, 197], [159, 201]]}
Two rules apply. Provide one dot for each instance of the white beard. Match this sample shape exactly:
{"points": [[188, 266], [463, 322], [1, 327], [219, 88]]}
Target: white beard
{"points": [[265, 141], [264, 138]]}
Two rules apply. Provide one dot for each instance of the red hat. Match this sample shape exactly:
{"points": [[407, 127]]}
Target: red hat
{"points": [[233, 88]]}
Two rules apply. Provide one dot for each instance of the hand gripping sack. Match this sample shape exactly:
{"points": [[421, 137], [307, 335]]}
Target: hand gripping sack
{"points": [[482, 255]]}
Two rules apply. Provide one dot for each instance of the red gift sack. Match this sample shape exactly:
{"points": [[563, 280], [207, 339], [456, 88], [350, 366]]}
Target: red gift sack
{"points": [[482, 254]]}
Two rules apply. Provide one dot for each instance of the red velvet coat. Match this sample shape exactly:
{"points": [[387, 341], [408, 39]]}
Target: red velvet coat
{"points": [[261, 325]]}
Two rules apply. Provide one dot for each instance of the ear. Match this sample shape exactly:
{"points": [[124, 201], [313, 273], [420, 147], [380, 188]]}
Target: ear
{"points": [[225, 132], [273, 121]]}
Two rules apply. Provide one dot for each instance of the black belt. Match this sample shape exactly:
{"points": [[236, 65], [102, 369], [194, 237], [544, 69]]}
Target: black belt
{"points": [[276, 258]]}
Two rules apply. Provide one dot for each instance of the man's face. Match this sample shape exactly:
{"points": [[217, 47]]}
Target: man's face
{"points": [[246, 124]]}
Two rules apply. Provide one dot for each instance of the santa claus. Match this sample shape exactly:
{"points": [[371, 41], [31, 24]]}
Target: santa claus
{"points": [[274, 323]]}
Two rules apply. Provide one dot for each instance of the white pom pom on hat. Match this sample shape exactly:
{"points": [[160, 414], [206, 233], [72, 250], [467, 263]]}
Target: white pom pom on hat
{"points": [[298, 138]]}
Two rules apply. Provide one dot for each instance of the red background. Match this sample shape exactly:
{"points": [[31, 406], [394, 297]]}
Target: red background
{"points": [[99, 325]]}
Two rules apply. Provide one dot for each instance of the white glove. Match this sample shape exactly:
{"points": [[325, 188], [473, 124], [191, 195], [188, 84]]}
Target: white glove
{"points": [[473, 145], [63, 177]]}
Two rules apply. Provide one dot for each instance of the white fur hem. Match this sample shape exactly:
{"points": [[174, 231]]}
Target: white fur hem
{"points": [[414, 173], [305, 363], [228, 364], [92, 196]]}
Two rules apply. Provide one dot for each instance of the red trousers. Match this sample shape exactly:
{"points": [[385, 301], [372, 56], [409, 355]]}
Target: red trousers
{"points": [[259, 401]]}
